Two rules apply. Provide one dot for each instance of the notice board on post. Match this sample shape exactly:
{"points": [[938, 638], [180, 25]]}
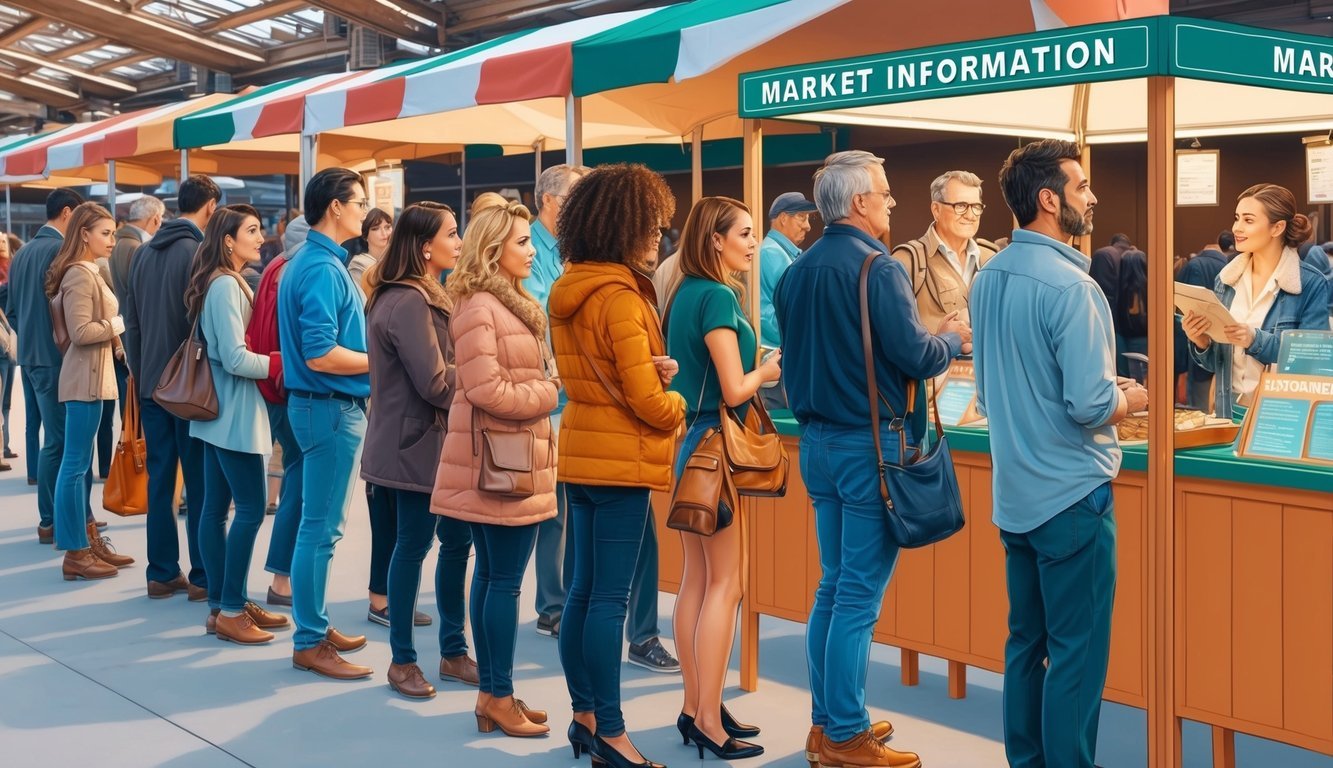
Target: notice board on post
{"points": [[1291, 418]]}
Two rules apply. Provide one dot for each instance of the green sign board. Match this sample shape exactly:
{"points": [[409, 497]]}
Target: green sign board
{"points": [[1058, 57], [1249, 56]]}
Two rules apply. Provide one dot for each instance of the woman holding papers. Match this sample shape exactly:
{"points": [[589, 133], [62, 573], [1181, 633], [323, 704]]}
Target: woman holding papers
{"points": [[1268, 291]]}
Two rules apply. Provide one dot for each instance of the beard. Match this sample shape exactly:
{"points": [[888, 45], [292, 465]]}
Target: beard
{"points": [[1072, 222]]}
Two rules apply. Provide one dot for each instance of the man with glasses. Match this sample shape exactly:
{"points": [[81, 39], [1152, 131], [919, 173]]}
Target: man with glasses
{"points": [[942, 262], [789, 223]]}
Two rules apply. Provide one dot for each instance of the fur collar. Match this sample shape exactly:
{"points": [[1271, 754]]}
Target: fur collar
{"points": [[523, 306], [1288, 272]]}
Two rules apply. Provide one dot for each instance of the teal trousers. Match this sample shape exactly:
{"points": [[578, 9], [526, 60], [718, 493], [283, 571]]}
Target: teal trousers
{"points": [[1061, 578]]}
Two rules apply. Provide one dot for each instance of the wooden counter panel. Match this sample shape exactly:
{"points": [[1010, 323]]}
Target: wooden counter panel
{"points": [[1254, 588]]}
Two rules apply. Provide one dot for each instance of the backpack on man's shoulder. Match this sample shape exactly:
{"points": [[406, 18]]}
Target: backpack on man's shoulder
{"points": [[917, 248], [261, 335]]}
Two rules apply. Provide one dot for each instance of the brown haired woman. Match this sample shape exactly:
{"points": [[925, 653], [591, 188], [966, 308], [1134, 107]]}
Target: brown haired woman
{"points": [[1268, 289], [367, 250], [411, 385], [617, 432], [87, 377], [709, 334], [505, 392]]}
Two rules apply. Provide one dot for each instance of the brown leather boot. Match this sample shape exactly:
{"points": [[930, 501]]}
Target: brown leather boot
{"points": [[535, 715], [460, 669], [345, 643], [101, 546], [482, 700], [506, 715], [880, 730], [83, 564], [409, 680], [323, 659], [46, 534], [241, 630], [864, 751], [265, 619]]}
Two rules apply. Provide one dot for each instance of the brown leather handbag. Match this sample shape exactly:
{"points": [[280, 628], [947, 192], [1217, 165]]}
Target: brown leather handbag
{"points": [[704, 488], [754, 451], [507, 460], [186, 388], [126, 489], [59, 330]]}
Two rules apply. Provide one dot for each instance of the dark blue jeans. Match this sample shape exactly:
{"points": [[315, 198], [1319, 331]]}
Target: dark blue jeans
{"points": [[45, 381], [282, 541], [607, 525], [382, 503], [230, 475], [7, 372], [502, 556], [417, 527], [170, 445], [106, 430], [32, 424], [72, 486], [857, 556]]}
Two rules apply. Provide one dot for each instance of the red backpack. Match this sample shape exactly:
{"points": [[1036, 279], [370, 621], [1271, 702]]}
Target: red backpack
{"points": [[261, 336]]}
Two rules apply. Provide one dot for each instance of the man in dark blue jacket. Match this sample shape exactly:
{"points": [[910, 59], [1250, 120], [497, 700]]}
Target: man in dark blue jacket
{"points": [[155, 326], [818, 313], [28, 310]]}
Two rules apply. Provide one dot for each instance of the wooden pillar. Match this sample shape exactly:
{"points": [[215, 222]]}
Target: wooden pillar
{"points": [[1163, 725], [696, 164], [1085, 160], [1224, 747], [911, 667], [957, 680], [752, 163]]}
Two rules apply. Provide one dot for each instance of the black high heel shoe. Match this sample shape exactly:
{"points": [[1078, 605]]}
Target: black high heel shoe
{"points": [[683, 724], [581, 740], [733, 749], [610, 756], [734, 729]]}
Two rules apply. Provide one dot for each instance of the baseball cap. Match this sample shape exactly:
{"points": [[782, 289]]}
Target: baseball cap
{"points": [[790, 202]]}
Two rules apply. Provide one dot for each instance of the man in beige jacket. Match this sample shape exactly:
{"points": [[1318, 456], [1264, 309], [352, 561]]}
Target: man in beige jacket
{"points": [[942, 262]]}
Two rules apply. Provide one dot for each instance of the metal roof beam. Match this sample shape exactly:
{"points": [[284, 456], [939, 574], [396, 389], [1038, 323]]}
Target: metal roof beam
{"points": [[251, 15], [392, 20]]}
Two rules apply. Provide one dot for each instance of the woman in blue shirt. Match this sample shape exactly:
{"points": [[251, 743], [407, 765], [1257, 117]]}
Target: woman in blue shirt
{"points": [[715, 345], [219, 301]]}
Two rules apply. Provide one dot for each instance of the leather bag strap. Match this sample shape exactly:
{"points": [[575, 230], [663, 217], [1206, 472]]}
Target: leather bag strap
{"points": [[606, 383], [872, 389]]}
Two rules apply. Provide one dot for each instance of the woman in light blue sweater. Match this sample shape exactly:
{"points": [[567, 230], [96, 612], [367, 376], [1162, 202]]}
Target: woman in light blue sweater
{"points": [[219, 302]]}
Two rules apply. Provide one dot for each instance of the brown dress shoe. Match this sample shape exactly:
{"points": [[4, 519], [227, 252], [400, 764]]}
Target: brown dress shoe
{"points": [[408, 680], [507, 715], [46, 534], [160, 589], [880, 730], [460, 668], [101, 546], [211, 623], [83, 564], [863, 751], [537, 716], [324, 660], [196, 594], [241, 629], [345, 643], [264, 619]]}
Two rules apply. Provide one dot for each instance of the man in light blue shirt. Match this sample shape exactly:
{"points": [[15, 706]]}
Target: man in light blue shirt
{"points": [[1046, 380], [789, 223]]}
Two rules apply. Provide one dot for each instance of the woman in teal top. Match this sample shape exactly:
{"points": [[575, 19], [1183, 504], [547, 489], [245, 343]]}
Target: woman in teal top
{"points": [[235, 442], [709, 335]]}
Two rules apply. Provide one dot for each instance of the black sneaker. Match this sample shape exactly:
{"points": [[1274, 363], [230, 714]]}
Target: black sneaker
{"points": [[548, 627], [654, 657], [381, 617]]}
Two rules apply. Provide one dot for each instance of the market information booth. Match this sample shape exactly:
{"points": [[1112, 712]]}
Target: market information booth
{"points": [[1224, 604]]}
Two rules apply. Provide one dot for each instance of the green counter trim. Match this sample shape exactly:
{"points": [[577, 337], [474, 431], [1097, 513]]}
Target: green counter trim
{"points": [[1215, 463]]}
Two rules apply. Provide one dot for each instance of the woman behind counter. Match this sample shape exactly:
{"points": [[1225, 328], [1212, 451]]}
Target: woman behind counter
{"points": [[1268, 290]]}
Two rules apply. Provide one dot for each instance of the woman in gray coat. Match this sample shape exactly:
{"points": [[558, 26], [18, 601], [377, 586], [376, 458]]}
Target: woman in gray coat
{"points": [[411, 384]]}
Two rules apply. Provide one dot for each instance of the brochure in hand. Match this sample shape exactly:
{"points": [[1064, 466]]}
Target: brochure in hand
{"points": [[1202, 301]]}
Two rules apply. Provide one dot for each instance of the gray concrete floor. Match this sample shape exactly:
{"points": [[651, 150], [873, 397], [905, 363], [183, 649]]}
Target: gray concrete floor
{"points": [[95, 673]]}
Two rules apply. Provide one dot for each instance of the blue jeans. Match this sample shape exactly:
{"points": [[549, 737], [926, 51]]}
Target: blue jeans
{"points": [[330, 433], [170, 446], [502, 556], [1061, 578], [45, 380], [230, 475], [554, 561], [288, 519], [7, 372], [32, 424], [382, 504], [72, 486], [417, 527], [607, 532], [857, 556]]}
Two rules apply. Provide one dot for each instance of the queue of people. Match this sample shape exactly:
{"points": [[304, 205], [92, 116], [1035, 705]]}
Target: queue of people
{"points": [[521, 389]]}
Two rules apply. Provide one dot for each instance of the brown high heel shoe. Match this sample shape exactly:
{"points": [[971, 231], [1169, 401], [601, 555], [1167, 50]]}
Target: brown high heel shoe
{"points": [[506, 715]]}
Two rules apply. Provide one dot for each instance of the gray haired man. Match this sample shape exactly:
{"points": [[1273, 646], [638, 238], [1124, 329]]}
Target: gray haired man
{"points": [[144, 220]]}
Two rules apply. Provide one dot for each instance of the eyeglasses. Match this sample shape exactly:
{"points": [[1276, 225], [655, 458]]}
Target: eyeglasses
{"points": [[887, 197], [363, 203], [962, 208]]}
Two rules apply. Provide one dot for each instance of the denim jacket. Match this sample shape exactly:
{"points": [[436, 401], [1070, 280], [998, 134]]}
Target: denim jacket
{"points": [[1301, 303]]}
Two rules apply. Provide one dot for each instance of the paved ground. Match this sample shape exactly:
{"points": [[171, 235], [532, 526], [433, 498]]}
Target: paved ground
{"points": [[95, 673]]}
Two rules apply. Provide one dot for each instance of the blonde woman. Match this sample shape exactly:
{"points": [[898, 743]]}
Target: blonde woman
{"points": [[87, 377], [505, 384]]}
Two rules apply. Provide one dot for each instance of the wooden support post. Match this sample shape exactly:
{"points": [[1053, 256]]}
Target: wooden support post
{"points": [[752, 163], [749, 616], [696, 164], [1164, 749], [911, 663], [1224, 747], [957, 680]]}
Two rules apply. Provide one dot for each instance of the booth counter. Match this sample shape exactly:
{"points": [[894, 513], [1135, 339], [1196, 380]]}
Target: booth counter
{"points": [[1253, 626]]}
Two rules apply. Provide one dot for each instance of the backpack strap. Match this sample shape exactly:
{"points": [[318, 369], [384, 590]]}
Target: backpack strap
{"points": [[916, 264]]}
